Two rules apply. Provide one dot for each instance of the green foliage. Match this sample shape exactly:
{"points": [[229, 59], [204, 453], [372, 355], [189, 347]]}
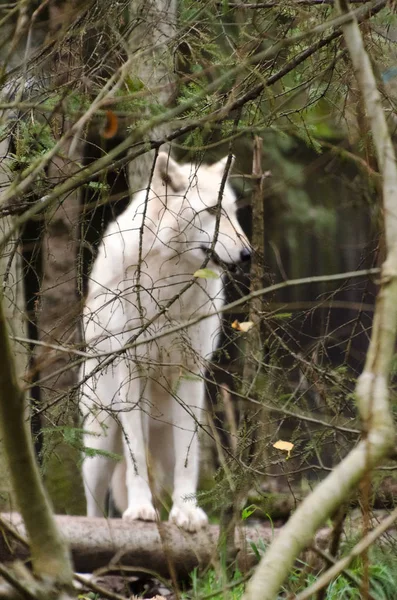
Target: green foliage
{"points": [[248, 511], [73, 436], [385, 19], [382, 573], [288, 184], [211, 582], [33, 139], [61, 462], [132, 99], [203, 105], [70, 104], [216, 37], [91, 452], [282, 316], [383, 583], [98, 186]]}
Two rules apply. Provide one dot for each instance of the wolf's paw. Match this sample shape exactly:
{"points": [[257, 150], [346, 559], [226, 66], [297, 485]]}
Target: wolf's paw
{"points": [[189, 517], [144, 512]]}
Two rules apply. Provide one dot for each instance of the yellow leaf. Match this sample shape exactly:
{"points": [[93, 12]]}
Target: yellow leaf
{"points": [[286, 446], [243, 327], [206, 274]]}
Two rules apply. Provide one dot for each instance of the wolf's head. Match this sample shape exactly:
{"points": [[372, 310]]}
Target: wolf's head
{"points": [[195, 215]]}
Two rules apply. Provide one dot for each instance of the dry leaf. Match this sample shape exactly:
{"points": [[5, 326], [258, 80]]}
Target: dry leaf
{"points": [[112, 125], [286, 446], [243, 327]]}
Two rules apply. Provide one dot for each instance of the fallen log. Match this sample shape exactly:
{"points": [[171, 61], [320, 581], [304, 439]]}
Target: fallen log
{"points": [[281, 504], [161, 547]]}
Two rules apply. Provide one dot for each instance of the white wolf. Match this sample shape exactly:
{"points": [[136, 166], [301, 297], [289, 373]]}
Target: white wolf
{"points": [[146, 403]]}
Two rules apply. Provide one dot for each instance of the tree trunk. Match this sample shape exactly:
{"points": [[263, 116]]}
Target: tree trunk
{"points": [[58, 323], [50, 556], [253, 420], [60, 306], [13, 307], [152, 67]]}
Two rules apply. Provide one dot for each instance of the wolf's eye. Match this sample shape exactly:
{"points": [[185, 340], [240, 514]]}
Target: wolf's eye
{"points": [[213, 210]]}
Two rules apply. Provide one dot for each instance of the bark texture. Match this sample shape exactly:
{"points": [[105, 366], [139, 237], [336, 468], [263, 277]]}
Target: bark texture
{"points": [[13, 305], [97, 542], [50, 556], [59, 306], [153, 28], [58, 323]]}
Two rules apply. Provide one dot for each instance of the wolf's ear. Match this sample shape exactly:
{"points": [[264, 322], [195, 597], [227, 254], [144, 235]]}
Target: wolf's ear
{"points": [[170, 172], [220, 166]]}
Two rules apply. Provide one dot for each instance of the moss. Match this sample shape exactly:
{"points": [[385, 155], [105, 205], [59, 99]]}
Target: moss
{"points": [[62, 475]]}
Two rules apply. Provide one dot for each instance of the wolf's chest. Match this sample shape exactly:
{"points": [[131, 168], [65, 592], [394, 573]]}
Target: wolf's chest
{"points": [[172, 296], [180, 320]]}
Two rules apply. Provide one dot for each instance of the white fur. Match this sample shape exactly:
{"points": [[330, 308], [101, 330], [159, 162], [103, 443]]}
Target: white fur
{"points": [[146, 404]]}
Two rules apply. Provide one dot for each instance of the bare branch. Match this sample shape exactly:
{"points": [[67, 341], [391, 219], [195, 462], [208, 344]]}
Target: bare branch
{"points": [[282, 4], [372, 387], [344, 563], [168, 116]]}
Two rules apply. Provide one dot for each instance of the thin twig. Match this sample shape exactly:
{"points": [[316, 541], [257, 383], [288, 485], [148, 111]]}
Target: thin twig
{"points": [[105, 161], [98, 589], [372, 390], [18, 585], [230, 306], [185, 325], [283, 4], [330, 560], [342, 565]]}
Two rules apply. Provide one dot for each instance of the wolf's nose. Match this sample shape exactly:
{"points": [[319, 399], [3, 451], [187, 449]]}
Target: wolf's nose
{"points": [[245, 254]]}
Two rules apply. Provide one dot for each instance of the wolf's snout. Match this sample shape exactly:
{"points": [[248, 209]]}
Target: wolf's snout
{"points": [[245, 254]]}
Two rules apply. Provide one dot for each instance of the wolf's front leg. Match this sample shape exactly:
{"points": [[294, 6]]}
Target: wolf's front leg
{"points": [[101, 435], [186, 410], [134, 431]]}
